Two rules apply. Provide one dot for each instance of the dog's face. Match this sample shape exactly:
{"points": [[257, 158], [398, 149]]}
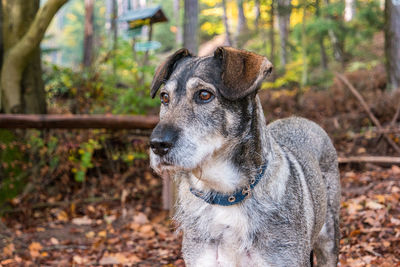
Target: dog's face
{"points": [[205, 105]]}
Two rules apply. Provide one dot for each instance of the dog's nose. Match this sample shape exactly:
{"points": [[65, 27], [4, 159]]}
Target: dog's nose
{"points": [[163, 138], [159, 147]]}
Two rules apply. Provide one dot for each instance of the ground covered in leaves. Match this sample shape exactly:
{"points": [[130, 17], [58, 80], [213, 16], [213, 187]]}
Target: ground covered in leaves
{"points": [[131, 229]]}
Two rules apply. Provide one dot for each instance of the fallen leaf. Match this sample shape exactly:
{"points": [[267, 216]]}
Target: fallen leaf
{"points": [[82, 221], [34, 249], [140, 218], [374, 205]]}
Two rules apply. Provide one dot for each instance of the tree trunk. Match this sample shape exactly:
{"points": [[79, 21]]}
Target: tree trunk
{"points": [[338, 52], [242, 25], [226, 24], [178, 34], [324, 57], [349, 10], [190, 36], [304, 75], [284, 11], [392, 43], [272, 37], [24, 26], [257, 14], [89, 34], [114, 31], [1, 47]]}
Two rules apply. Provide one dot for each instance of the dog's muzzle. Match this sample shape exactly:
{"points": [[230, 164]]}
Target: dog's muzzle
{"points": [[163, 139]]}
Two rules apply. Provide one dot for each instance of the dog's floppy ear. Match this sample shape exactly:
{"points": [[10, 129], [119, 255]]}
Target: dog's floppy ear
{"points": [[165, 70], [242, 72]]}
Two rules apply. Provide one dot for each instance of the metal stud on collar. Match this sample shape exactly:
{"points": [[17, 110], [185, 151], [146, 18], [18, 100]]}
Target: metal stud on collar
{"points": [[231, 199]]}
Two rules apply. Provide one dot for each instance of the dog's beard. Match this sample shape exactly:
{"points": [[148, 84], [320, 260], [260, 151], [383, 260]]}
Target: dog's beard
{"points": [[187, 155]]}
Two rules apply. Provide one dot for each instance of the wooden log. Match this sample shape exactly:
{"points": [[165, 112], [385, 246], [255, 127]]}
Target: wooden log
{"points": [[370, 159], [23, 121]]}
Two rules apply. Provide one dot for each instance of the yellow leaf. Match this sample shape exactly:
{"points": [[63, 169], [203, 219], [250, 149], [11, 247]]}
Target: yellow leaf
{"points": [[9, 249], [380, 198], [90, 234], [34, 249], [102, 234]]}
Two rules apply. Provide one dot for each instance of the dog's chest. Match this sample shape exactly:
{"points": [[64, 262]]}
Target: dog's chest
{"points": [[232, 247]]}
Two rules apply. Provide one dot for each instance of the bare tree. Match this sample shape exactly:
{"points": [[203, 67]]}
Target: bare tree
{"points": [[392, 43], [324, 57], [114, 31], [272, 36], [338, 47], [178, 34], [257, 13], [242, 25], [24, 25], [190, 36], [88, 40], [349, 10], [226, 24], [284, 11]]}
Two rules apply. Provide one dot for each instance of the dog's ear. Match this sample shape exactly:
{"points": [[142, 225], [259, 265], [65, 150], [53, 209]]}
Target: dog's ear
{"points": [[164, 71], [242, 72]]}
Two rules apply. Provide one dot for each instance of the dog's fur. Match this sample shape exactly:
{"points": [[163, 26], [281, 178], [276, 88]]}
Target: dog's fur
{"points": [[220, 145]]}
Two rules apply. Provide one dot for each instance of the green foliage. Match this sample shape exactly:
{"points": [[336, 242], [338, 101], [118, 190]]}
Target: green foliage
{"points": [[290, 79], [84, 162], [13, 162]]}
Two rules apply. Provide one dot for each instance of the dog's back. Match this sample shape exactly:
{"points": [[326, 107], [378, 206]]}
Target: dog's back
{"points": [[312, 146]]}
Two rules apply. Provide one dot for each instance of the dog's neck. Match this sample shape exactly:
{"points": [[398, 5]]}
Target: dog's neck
{"points": [[232, 166]]}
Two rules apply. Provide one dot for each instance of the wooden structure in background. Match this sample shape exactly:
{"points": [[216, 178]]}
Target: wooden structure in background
{"points": [[113, 122]]}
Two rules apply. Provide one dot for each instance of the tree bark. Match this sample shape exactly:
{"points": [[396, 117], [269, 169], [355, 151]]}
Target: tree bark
{"points": [[178, 34], [257, 14], [349, 10], [114, 31], [242, 25], [304, 75], [88, 40], [324, 57], [284, 11], [392, 43], [23, 29], [272, 37], [190, 36], [226, 24], [338, 52]]}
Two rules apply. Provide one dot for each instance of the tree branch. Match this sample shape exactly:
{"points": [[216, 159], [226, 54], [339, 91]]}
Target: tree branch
{"points": [[367, 109], [15, 59]]}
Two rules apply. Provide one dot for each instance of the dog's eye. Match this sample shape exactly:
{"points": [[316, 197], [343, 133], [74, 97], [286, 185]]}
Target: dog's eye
{"points": [[205, 96], [164, 98]]}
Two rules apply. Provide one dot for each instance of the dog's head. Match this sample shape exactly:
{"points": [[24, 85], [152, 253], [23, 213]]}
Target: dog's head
{"points": [[206, 104]]}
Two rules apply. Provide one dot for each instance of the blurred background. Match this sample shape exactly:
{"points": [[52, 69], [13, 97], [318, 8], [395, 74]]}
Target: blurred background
{"points": [[83, 194]]}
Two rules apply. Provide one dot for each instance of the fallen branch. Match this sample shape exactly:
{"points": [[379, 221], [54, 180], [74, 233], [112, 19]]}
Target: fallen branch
{"points": [[77, 121], [370, 159], [367, 109]]}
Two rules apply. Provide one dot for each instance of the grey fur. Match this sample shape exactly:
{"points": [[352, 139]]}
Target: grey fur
{"points": [[293, 209]]}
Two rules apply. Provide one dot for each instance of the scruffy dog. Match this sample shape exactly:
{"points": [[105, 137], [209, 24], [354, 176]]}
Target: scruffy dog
{"points": [[248, 194]]}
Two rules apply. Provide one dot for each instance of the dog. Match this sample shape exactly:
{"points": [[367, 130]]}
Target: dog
{"points": [[249, 194]]}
